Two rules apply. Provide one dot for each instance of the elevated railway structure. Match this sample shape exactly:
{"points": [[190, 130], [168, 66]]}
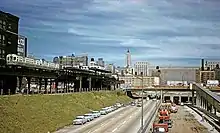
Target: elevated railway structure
{"points": [[168, 88], [205, 98], [11, 78]]}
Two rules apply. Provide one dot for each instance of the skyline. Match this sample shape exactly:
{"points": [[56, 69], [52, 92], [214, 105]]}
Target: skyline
{"points": [[160, 32]]}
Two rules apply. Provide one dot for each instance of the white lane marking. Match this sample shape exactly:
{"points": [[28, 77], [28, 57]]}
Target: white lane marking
{"points": [[130, 116], [106, 123], [114, 130], [124, 122]]}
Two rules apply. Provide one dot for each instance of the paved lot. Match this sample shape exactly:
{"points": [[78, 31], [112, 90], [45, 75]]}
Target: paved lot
{"points": [[185, 122]]}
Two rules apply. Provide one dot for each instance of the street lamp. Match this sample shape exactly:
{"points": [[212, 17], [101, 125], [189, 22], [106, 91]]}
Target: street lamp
{"points": [[142, 99]]}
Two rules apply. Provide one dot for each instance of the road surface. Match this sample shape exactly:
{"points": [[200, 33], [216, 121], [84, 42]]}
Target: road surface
{"points": [[123, 120]]}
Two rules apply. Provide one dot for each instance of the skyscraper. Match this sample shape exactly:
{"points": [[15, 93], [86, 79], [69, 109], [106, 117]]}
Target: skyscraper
{"points": [[128, 59]]}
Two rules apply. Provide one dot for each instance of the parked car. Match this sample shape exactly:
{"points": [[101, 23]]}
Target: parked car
{"points": [[89, 117], [80, 120], [96, 114], [119, 105], [107, 109], [103, 112], [133, 104]]}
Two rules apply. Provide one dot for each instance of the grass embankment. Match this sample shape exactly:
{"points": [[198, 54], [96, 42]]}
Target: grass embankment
{"points": [[43, 113]]}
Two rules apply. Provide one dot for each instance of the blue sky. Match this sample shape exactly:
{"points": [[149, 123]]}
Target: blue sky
{"points": [[163, 32]]}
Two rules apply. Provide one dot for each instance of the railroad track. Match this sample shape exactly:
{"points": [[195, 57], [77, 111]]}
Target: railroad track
{"points": [[209, 117]]}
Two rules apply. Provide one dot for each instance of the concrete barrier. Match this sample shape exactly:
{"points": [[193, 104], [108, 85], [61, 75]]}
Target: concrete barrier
{"points": [[150, 120]]}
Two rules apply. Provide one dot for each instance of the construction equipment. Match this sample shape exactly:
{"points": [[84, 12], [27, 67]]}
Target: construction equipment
{"points": [[160, 128], [164, 112], [165, 120]]}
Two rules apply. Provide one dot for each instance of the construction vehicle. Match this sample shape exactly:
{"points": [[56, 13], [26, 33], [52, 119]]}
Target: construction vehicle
{"points": [[164, 112], [165, 120], [160, 128]]}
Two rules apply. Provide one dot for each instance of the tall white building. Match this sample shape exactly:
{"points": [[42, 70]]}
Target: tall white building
{"points": [[141, 66], [128, 59]]}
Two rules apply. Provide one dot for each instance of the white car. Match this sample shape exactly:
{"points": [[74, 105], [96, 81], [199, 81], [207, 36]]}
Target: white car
{"points": [[80, 120], [89, 117], [103, 112], [96, 114], [107, 109], [119, 105]]}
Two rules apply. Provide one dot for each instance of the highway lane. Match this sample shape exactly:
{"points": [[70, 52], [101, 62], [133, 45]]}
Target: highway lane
{"points": [[95, 124], [120, 119], [133, 122]]}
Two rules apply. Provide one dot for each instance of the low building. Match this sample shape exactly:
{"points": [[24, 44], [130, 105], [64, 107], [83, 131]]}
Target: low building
{"points": [[204, 76], [174, 74], [136, 81]]}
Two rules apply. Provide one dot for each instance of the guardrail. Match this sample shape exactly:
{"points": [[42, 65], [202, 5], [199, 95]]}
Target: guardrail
{"points": [[149, 120]]}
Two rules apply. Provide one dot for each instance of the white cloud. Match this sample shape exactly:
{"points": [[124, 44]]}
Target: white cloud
{"points": [[152, 29]]}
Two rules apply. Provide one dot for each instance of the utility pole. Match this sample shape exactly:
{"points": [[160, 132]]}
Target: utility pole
{"points": [[142, 100]]}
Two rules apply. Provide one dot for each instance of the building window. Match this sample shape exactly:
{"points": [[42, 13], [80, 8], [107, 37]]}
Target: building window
{"points": [[9, 26], [9, 40], [4, 25], [2, 53], [1, 24]]}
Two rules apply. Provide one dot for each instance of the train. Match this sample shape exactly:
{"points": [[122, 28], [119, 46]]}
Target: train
{"points": [[16, 60], [13, 59]]}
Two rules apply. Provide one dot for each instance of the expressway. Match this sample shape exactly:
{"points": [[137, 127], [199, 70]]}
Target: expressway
{"points": [[123, 120]]}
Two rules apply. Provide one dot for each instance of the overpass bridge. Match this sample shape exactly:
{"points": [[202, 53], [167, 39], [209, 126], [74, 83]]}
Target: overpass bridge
{"points": [[167, 88], [204, 97]]}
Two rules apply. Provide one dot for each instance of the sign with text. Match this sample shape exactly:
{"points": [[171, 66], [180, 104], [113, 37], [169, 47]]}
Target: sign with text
{"points": [[21, 49]]}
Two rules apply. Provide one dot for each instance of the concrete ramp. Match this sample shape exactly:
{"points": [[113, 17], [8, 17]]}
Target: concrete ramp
{"points": [[205, 95]]}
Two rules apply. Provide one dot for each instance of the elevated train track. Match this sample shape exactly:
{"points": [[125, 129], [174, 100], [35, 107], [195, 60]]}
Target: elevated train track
{"points": [[20, 67]]}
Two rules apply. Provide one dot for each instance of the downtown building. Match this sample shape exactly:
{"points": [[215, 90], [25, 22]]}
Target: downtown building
{"points": [[207, 71], [100, 62], [174, 74], [134, 82], [71, 61], [10, 43], [141, 67], [10, 40]]}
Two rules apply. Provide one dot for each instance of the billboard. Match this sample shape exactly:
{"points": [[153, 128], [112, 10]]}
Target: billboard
{"points": [[21, 49], [212, 82]]}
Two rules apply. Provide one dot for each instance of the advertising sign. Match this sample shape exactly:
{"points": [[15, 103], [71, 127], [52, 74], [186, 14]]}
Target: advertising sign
{"points": [[213, 82], [21, 40], [21, 46]]}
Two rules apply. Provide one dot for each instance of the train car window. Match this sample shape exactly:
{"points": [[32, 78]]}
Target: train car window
{"points": [[14, 58], [11, 58]]}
